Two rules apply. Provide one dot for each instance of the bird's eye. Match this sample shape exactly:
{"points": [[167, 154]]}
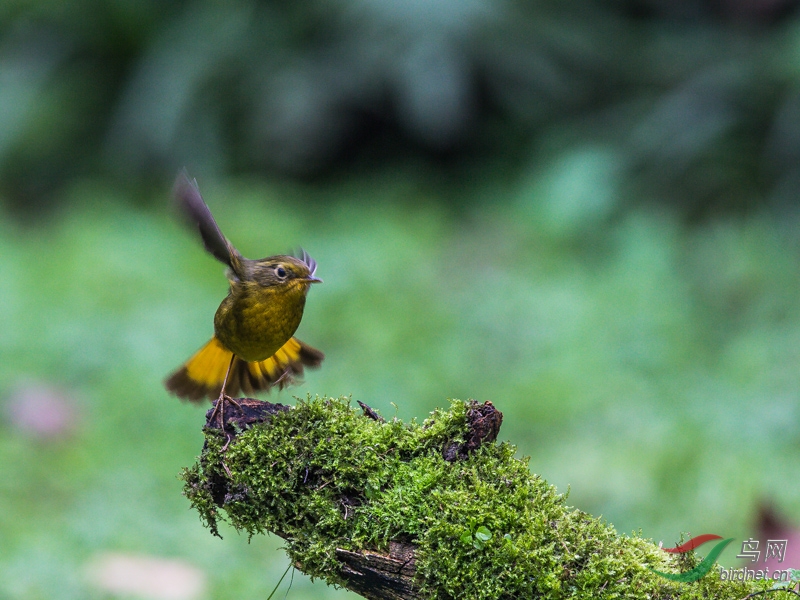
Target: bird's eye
{"points": [[280, 272]]}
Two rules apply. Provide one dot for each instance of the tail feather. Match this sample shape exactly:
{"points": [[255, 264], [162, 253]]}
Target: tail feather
{"points": [[203, 374], [281, 369]]}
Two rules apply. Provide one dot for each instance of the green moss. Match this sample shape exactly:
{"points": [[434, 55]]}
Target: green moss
{"points": [[325, 477]]}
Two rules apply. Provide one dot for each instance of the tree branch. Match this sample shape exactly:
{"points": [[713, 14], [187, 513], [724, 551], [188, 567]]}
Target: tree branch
{"points": [[407, 511]]}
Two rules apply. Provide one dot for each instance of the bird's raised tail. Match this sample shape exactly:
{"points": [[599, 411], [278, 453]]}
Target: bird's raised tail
{"points": [[203, 374]]}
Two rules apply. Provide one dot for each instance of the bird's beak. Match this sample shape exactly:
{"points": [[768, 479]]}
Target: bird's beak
{"points": [[313, 280]]}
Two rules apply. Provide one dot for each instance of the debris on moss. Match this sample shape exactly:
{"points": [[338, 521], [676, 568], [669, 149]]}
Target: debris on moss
{"points": [[327, 478]]}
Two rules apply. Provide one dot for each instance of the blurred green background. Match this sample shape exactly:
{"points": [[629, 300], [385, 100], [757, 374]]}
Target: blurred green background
{"points": [[585, 212]]}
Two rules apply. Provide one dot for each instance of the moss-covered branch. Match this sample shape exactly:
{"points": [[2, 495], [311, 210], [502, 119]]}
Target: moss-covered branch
{"points": [[403, 510]]}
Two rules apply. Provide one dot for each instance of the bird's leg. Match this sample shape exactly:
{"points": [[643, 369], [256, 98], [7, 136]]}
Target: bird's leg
{"points": [[219, 407]]}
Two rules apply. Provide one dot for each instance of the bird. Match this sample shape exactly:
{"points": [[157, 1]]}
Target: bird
{"points": [[253, 347]]}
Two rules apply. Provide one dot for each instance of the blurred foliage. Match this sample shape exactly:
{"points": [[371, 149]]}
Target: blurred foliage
{"points": [[649, 365], [697, 100]]}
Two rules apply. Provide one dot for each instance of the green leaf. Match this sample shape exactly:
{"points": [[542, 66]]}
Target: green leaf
{"points": [[466, 537], [483, 534], [781, 584], [371, 492]]}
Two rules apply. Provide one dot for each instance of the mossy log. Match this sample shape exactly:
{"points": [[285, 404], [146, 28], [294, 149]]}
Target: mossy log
{"points": [[403, 511]]}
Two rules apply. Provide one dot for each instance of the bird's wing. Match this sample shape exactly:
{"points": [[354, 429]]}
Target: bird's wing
{"points": [[196, 213]]}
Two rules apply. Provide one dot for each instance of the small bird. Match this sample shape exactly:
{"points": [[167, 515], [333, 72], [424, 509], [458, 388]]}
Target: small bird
{"points": [[252, 348]]}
